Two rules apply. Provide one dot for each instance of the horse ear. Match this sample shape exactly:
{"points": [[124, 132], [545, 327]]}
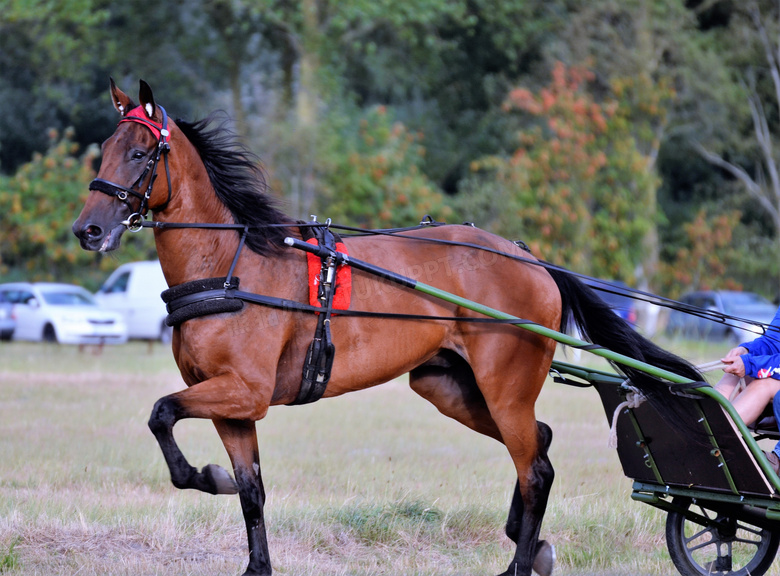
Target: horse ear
{"points": [[120, 100], [147, 100]]}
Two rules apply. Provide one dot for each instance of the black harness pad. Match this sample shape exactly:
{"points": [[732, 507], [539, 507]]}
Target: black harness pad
{"points": [[198, 307], [319, 357]]}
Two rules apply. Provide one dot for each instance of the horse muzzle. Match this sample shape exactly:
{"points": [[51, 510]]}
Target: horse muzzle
{"points": [[97, 238]]}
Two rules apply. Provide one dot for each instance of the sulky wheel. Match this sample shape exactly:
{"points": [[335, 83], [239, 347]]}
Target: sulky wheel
{"points": [[709, 543]]}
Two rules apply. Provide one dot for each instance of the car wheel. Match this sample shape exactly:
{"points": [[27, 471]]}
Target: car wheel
{"points": [[49, 334]]}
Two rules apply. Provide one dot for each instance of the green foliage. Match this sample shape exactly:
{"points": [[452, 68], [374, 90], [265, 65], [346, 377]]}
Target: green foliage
{"points": [[43, 62], [444, 67], [440, 68], [576, 188], [37, 207], [704, 263], [372, 177], [60, 29], [9, 560]]}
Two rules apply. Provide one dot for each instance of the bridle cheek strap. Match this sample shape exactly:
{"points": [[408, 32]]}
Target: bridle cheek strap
{"points": [[162, 134]]}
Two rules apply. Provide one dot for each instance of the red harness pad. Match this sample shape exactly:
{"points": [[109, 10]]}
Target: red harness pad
{"points": [[343, 289]]}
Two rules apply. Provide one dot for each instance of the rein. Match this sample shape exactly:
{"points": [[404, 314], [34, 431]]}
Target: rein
{"points": [[640, 295], [136, 219]]}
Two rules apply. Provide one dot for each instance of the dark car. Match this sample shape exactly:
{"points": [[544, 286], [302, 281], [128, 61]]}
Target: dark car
{"points": [[618, 296], [7, 319], [744, 305]]}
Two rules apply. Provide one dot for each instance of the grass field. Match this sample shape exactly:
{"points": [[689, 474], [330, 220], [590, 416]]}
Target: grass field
{"points": [[371, 483]]}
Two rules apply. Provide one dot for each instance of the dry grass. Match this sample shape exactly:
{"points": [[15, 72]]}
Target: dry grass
{"points": [[372, 483]]}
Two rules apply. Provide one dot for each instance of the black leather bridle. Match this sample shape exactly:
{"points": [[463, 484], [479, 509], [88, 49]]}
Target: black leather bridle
{"points": [[135, 221]]}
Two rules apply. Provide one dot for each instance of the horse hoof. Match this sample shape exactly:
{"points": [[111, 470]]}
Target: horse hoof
{"points": [[220, 479], [545, 558]]}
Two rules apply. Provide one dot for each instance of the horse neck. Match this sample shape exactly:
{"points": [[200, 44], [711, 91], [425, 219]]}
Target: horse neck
{"points": [[193, 253]]}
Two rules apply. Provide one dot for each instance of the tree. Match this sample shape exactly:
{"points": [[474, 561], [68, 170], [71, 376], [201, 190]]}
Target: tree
{"points": [[42, 55], [37, 207], [56, 58], [442, 66], [704, 263], [574, 188], [763, 186], [648, 48], [376, 181]]}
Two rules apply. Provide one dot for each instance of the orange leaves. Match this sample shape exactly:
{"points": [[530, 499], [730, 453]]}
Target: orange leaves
{"points": [[703, 264], [522, 99], [577, 184], [564, 103]]}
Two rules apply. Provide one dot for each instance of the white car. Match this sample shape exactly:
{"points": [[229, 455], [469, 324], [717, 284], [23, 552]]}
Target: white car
{"points": [[133, 290], [62, 313]]}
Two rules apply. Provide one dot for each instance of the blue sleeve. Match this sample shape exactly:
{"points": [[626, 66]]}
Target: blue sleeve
{"points": [[766, 344], [763, 357], [762, 366]]}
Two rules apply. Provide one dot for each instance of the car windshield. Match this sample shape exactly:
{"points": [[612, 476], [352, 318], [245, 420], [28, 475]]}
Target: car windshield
{"points": [[68, 299], [741, 300]]}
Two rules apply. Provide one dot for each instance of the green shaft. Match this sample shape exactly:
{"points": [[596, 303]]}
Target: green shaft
{"points": [[620, 359], [554, 334], [614, 356]]}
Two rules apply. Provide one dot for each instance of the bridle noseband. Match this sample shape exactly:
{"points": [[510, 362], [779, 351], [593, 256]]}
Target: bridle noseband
{"points": [[135, 221]]}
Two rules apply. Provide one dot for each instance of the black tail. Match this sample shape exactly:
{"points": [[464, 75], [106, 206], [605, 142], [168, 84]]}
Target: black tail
{"points": [[600, 325]]}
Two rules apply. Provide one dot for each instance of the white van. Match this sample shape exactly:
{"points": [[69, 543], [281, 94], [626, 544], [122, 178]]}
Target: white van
{"points": [[134, 290]]}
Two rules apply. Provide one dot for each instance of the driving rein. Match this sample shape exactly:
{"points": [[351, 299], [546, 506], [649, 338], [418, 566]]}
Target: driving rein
{"points": [[222, 295]]}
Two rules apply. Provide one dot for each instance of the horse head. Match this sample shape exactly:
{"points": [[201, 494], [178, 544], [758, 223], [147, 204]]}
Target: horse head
{"points": [[124, 189]]}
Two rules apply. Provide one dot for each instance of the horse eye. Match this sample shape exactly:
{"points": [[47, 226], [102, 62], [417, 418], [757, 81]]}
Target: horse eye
{"points": [[138, 155]]}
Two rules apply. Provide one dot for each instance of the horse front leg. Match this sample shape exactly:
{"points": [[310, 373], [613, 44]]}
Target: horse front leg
{"points": [[212, 478], [240, 440], [233, 408], [220, 398]]}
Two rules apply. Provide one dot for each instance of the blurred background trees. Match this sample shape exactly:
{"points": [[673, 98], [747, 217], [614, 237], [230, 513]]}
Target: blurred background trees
{"points": [[609, 136]]}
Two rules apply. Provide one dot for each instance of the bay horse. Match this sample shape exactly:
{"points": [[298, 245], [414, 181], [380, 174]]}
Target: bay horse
{"points": [[237, 364]]}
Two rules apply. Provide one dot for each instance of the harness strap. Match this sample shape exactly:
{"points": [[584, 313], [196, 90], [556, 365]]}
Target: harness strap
{"points": [[176, 303], [321, 353]]}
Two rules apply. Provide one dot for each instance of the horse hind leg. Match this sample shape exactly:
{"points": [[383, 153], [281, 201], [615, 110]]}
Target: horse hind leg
{"points": [[448, 382], [544, 554]]}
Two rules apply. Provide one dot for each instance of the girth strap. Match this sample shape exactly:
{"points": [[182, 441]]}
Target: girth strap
{"points": [[319, 357]]}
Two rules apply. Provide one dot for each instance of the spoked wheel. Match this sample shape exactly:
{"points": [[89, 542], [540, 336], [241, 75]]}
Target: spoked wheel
{"points": [[705, 542]]}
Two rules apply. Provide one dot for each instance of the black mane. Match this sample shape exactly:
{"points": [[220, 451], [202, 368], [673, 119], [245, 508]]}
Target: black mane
{"points": [[239, 181]]}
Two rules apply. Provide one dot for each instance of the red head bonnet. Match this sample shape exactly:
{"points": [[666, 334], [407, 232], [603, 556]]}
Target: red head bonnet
{"points": [[137, 114]]}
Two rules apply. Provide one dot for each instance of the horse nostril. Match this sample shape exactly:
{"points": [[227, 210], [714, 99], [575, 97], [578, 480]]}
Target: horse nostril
{"points": [[93, 231]]}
